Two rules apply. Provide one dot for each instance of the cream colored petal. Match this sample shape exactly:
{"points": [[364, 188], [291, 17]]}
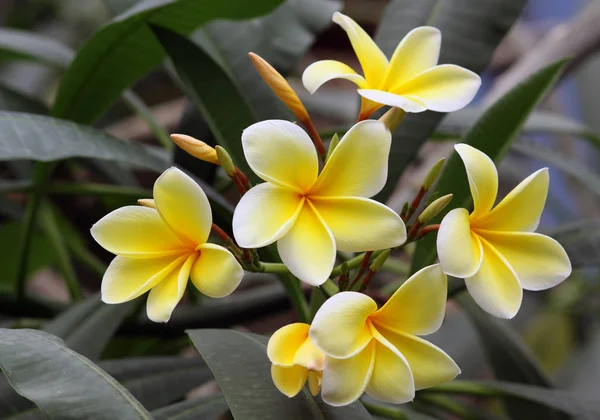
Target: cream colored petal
{"points": [[127, 278], [459, 249], [136, 232], [308, 249], [358, 166], [345, 380], [495, 287], [165, 296], [282, 153], [407, 103], [418, 306], [360, 224], [264, 214], [482, 176], [372, 60], [418, 51], [392, 380], [429, 364], [289, 380], [314, 382], [285, 342], [321, 72], [539, 261], [340, 327], [216, 272], [445, 88], [522, 208], [183, 206]]}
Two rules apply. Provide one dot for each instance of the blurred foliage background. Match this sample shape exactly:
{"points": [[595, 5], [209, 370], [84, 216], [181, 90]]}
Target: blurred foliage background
{"points": [[151, 82]]}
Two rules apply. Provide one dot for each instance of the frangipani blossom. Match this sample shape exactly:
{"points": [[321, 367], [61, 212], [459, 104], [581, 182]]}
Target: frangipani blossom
{"points": [[310, 215], [378, 351], [295, 359], [158, 249], [495, 249], [411, 80]]}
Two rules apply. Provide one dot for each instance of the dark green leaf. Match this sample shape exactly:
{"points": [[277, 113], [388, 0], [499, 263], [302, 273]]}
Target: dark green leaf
{"points": [[27, 136], [211, 408], [21, 45], [124, 50], [240, 365], [470, 33], [493, 134], [212, 91], [61, 382]]}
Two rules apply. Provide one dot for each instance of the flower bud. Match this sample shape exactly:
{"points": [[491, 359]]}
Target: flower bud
{"points": [[392, 118], [434, 174], [332, 145], [147, 202], [376, 265], [196, 148], [226, 162], [434, 209]]}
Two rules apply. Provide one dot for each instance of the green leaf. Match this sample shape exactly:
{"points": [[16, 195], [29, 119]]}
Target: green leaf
{"points": [[470, 33], [493, 134], [88, 326], [565, 401], [211, 408], [61, 382], [125, 49], [240, 365], [22, 45], [208, 86], [40, 138]]}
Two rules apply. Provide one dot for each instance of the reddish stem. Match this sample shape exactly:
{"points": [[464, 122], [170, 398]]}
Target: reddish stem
{"points": [[428, 229], [316, 138]]}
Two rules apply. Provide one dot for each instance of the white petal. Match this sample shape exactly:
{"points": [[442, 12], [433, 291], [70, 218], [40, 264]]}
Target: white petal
{"points": [[321, 72], [407, 103]]}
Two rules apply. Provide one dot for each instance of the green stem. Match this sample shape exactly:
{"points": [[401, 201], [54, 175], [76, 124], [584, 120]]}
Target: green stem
{"points": [[384, 410], [395, 266], [275, 268], [354, 262], [468, 388], [451, 407], [98, 189], [330, 288]]}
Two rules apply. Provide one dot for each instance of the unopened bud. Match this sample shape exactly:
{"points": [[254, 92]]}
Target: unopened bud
{"points": [[380, 260], [344, 269], [434, 196], [404, 210], [434, 208], [434, 174], [196, 148], [332, 145], [392, 118], [226, 162], [280, 86], [147, 202]]}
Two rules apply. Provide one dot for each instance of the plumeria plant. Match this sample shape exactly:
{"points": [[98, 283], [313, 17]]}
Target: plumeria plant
{"points": [[273, 216]]}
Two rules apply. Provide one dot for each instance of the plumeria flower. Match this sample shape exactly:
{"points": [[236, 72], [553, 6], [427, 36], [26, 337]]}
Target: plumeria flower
{"points": [[378, 351], [295, 359], [494, 248], [310, 215], [159, 248], [411, 80]]}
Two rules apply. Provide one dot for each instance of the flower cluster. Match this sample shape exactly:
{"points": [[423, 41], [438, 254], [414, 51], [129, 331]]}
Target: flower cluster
{"points": [[351, 347]]}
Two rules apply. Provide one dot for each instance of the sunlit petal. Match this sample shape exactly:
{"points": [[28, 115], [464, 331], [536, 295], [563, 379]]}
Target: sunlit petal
{"points": [[360, 224], [323, 71], [345, 380], [429, 364], [459, 250], [392, 380], [495, 287], [282, 153], [285, 342], [539, 261], [136, 232], [445, 88], [308, 249], [216, 272], [482, 176], [264, 214], [372, 60], [358, 166], [165, 296], [289, 380], [407, 103], [127, 278], [418, 306], [417, 52], [183, 206], [522, 208]]}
